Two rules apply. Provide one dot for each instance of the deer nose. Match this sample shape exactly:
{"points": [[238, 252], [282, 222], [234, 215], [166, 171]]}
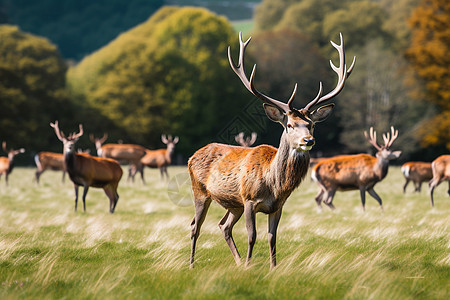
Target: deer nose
{"points": [[309, 141]]}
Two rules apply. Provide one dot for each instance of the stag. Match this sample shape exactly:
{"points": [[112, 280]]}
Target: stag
{"points": [[441, 172], [355, 172], [245, 142], [86, 170], [160, 158], [49, 161], [124, 153], [260, 179], [7, 163], [417, 172]]}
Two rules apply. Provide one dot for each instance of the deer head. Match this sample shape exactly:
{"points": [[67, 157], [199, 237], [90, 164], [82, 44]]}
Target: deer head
{"points": [[68, 142], [11, 152], [384, 152], [169, 141], [298, 123]]}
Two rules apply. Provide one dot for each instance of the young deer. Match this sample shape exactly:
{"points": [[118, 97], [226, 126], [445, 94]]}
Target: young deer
{"points": [[355, 172], [160, 158], [441, 172], [7, 163], [417, 172], [49, 160], [245, 142], [86, 170], [124, 153], [260, 179]]}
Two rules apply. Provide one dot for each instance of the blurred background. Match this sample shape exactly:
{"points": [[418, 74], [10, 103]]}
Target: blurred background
{"points": [[139, 68]]}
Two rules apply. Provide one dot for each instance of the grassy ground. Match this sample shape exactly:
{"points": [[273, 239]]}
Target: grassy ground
{"points": [[47, 251]]}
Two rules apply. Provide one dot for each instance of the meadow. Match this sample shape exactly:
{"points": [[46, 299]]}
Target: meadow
{"points": [[47, 251]]}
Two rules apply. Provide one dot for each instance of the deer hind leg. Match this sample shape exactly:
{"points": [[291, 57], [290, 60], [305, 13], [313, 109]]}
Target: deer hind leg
{"points": [[319, 198], [250, 224], [226, 225], [201, 208], [375, 196], [433, 184], [329, 198], [417, 186], [113, 197], [404, 187]]}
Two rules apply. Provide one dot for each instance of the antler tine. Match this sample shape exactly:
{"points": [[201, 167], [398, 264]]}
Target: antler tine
{"points": [[58, 132], [79, 134], [164, 139], [373, 138], [254, 137], [394, 136], [240, 72], [4, 146], [103, 139], [342, 72]]}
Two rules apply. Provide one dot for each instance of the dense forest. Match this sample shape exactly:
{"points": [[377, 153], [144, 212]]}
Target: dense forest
{"points": [[137, 69]]}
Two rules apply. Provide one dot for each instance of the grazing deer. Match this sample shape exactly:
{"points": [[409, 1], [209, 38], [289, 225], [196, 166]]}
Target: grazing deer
{"points": [[7, 163], [86, 170], [49, 160], [260, 179], [124, 153], [355, 172], [417, 172], [245, 142], [441, 171], [159, 158]]}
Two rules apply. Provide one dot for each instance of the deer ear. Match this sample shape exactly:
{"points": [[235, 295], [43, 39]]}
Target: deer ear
{"points": [[396, 154], [274, 113], [322, 113]]}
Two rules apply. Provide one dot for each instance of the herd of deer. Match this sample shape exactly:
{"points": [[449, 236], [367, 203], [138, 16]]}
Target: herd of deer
{"points": [[241, 179]]}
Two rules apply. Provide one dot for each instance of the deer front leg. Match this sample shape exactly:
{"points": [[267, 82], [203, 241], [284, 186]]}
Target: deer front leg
{"points": [[85, 190], [76, 196], [250, 224], [362, 192], [274, 220], [226, 225]]}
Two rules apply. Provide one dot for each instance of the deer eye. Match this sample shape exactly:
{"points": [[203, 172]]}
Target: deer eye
{"points": [[290, 126]]}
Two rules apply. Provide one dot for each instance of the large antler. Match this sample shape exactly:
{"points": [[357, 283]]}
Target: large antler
{"points": [[388, 140], [100, 140], [61, 135], [372, 139], [342, 73], [240, 72]]}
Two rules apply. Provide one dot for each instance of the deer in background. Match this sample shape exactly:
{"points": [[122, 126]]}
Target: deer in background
{"points": [[355, 172], [245, 142], [417, 172], [260, 179], [441, 172], [160, 158], [7, 163], [124, 153], [49, 160], [86, 170]]}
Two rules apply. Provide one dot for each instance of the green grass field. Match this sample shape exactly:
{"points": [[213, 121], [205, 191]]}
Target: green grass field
{"points": [[48, 251]]}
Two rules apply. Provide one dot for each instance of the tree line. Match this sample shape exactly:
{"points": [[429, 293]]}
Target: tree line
{"points": [[170, 74]]}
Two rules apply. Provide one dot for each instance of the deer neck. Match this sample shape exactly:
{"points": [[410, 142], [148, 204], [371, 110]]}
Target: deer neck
{"points": [[287, 169], [69, 159], [10, 163], [381, 167], [168, 155]]}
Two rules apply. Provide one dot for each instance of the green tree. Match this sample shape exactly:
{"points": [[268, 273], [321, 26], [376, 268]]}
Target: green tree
{"points": [[170, 74], [428, 54], [32, 88]]}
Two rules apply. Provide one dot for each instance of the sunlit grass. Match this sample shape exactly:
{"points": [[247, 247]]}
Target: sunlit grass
{"points": [[142, 251]]}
